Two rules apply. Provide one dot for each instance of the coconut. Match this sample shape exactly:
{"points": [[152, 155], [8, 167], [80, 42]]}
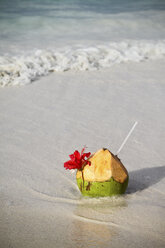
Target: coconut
{"points": [[105, 176]]}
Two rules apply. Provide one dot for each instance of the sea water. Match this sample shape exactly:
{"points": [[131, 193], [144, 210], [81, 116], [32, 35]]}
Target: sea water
{"points": [[41, 36]]}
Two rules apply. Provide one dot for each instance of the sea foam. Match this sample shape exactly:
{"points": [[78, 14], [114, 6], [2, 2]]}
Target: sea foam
{"points": [[23, 69]]}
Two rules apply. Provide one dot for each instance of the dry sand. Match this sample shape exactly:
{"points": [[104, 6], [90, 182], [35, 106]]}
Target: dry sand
{"points": [[42, 123]]}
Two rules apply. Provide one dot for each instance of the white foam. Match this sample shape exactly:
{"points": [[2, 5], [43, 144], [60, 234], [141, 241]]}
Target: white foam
{"points": [[21, 70]]}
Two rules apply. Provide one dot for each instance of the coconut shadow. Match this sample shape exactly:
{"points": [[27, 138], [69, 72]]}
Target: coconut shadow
{"points": [[144, 178]]}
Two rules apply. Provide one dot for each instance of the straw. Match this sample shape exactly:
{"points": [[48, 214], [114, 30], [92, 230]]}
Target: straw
{"points": [[122, 145], [126, 138]]}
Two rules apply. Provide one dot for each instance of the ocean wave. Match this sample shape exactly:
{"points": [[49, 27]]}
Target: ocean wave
{"points": [[21, 70]]}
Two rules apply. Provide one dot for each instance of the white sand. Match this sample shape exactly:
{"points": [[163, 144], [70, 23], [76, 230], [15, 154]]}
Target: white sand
{"points": [[42, 123]]}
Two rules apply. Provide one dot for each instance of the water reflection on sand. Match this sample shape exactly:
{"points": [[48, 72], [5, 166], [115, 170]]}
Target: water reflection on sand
{"points": [[92, 225]]}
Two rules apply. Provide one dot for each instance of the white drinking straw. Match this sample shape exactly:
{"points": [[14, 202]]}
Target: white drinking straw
{"points": [[126, 138]]}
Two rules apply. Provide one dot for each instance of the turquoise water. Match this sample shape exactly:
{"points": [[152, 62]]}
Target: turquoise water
{"points": [[51, 23], [40, 36]]}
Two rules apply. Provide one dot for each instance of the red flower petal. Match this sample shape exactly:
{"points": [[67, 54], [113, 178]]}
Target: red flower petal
{"points": [[86, 155], [70, 165], [72, 157], [77, 155]]}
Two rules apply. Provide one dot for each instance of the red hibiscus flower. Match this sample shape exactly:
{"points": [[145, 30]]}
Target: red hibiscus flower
{"points": [[77, 160]]}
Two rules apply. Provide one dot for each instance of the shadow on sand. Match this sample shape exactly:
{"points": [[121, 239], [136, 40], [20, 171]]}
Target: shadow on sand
{"points": [[144, 178]]}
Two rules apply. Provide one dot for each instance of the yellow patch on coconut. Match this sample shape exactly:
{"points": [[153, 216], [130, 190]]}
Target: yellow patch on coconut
{"points": [[104, 165]]}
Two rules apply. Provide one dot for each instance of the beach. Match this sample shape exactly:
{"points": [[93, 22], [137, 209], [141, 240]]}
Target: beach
{"points": [[74, 74], [44, 122]]}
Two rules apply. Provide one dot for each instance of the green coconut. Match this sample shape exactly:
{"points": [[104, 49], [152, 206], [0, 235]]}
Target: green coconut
{"points": [[106, 176]]}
